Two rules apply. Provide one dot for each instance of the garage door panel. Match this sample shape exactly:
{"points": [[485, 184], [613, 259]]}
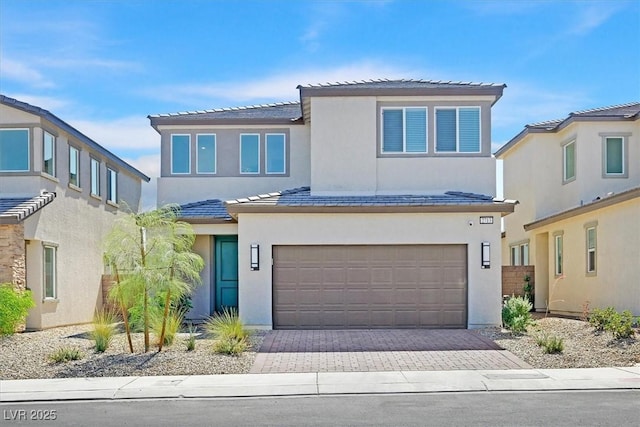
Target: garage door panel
{"points": [[373, 286]]}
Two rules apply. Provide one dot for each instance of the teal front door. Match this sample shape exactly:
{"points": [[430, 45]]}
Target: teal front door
{"points": [[226, 255]]}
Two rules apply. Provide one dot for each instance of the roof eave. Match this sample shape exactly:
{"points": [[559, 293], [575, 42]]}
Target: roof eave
{"points": [[156, 122], [495, 90]]}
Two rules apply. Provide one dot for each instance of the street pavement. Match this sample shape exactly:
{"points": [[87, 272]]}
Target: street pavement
{"points": [[318, 384]]}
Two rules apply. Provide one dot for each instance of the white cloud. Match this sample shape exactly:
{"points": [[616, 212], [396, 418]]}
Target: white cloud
{"points": [[149, 165], [591, 15], [126, 133], [47, 102], [21, 72], [80, 65]]}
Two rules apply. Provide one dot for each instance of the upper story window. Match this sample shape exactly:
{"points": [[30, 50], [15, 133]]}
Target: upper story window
{"points": [[74, 166], [95, 177], [180, 154], [275, 153], [569, 161], [206, 153], [458, 129], [14, 150], [404, 130], [112, 185], [250, 153], [614, 156], [49, 154]]}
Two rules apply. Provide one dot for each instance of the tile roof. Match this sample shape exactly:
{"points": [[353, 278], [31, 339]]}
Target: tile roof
{"points": [[399, 84], [47, 115], [299, 197], [204, 211], [14, 210], [281, 110], [630, 111]]}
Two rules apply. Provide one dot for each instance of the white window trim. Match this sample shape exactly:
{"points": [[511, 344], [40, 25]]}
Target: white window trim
{"points": [[188, 157], [28, 151], [435, 129], [53, 246], [266, 154], [91, 163], [110, 188], [625, 158], [566, 144], [518, 247], [79, 183], [259, 158], [558, 267], [591, 226], [404, 130], [53, 152], [215, 154]]}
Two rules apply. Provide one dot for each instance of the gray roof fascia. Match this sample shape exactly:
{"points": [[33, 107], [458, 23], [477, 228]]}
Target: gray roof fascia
{"points": [[52, 118], [26, 208], [184, 121], [589, 207]]}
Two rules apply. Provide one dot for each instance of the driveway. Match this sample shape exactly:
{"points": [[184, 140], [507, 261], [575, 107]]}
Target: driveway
{"points": [[380, 350]]}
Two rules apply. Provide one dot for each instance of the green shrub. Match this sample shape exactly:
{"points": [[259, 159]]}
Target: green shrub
{"points": [[191, 341], [172, 326], [231, 335], [550, 343], [103, 329], [600, 318], [516, 314], [14, 307], [66, 354], [620, 325]]}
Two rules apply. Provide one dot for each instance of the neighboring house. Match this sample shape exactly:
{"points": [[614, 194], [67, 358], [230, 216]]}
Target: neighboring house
{"points": [[578, 222], [59, 194], [386, 205]]}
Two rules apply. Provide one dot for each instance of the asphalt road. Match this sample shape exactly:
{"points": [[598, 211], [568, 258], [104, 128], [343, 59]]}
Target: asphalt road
{"points": [[589, 408]]}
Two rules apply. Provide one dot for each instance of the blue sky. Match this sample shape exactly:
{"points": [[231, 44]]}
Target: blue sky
{"points": [[103, 66]]}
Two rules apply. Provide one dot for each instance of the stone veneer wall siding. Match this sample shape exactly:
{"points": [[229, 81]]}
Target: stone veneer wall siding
{"points": [[513, 278], [12, 255]]}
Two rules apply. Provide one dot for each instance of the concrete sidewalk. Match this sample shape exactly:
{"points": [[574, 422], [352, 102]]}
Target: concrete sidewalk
{"points": [[322, 383]]}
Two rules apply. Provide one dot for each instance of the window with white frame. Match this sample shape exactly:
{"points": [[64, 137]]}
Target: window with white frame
{"points": [[569, 161], [275, 153], [14, 150], [49, 272], [74, 166], [591, 245], [49, 154], [250, 153], [559, 254], [520, 253], [112, 185], [95, 177], [404, 130], [180, 154], [458, 129], [614, 160], [206, 153]]}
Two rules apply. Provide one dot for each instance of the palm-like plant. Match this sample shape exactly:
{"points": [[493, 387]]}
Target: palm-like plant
{"points": [[151, 252]]}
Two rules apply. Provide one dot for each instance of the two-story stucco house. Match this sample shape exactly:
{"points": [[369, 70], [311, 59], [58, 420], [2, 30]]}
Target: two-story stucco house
{"points": [[364, 205], [60, 192], [578, 183]]}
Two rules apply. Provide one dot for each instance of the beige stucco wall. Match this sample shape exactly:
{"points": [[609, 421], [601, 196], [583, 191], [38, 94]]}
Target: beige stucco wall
{"points": [[255, 289]]}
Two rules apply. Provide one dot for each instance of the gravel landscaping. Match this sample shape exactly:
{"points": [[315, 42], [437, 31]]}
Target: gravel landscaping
{"points": [[27, 355]]}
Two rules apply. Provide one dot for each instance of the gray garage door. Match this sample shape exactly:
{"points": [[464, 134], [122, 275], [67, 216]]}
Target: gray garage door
{"points": [[372, 286]]}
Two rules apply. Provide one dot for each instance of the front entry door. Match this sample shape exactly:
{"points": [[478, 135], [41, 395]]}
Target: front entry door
{"points": [[226, 254]]}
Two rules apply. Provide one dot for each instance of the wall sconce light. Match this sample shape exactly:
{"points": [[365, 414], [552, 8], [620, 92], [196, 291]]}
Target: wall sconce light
{"points": [[255, 256], [486, 255]]}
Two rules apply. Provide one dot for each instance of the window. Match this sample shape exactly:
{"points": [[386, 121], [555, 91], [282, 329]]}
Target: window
{"points": [[515, 255], [520, 254], [275, 153], [180, 154], [74, 166], [591, 249], [112, 186], [250, 153], [49, 154], [404, 130], [50, 289], [95, 177], [206, 154], [458, 129], [614, 156], [558, 255], [14, 150], [569, 161]]}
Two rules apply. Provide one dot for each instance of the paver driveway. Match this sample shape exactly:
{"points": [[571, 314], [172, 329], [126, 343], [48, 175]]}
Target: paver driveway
{"points": [[380, 350]]}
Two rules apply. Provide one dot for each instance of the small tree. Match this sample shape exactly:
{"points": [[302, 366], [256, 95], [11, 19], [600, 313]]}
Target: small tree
{"points": [[152, 253], [14, 307]]}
